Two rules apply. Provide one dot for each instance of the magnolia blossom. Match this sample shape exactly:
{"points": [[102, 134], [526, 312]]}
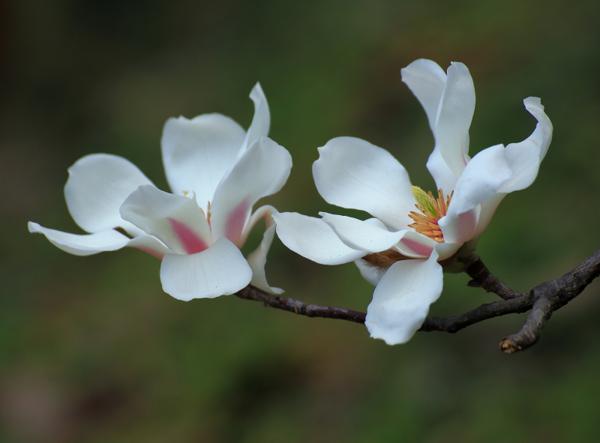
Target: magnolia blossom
{"points": [[400, 249], [217, 172]]}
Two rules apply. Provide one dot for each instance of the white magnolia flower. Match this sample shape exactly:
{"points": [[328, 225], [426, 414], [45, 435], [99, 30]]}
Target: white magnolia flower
{"points": [[217, 172], [399, 250]]}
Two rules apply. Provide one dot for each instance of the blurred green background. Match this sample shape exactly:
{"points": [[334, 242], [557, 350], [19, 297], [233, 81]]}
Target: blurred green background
{"points": [[91, 350]]}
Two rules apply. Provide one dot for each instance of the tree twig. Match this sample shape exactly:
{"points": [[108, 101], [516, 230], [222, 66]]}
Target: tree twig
{"points": [[481, 277], [299, 307], [541, 302]]}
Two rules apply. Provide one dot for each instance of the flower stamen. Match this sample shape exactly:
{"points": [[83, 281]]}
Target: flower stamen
{"points": [[431, 209]]}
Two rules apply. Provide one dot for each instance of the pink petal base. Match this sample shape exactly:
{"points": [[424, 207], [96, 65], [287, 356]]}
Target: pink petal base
{"points": [[190, 241], [416, 247], [236, 221]]}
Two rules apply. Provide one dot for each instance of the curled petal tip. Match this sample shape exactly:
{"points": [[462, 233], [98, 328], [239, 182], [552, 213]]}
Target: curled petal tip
{"points": [[417, 62], [256, 89], [458, 65], [533, 101], [32, 227]]}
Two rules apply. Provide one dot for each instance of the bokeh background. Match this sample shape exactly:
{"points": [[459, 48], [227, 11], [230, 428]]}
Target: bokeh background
{"points": [[91, 350]]}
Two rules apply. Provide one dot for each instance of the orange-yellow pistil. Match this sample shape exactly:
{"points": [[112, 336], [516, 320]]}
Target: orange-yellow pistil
{"points": [[431, 209]]}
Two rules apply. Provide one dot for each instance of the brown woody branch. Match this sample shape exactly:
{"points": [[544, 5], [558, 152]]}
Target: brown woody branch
{"points": [[481, 277], [541, 302]]}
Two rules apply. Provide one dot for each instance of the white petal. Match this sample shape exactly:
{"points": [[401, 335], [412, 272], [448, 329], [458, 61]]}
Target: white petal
{"points": [[402, 298], [446, 250], [177, 221], [454, 118], [261, 171], [481, 180], [150, 245], [261, 119], [524, 158], [257, 261], [491, 174], [487, 211], [451, 127], [444, 178], [368, 235], [314, 239], [197, 153], [460, 228], [86, 244], [370, 273], [355, 174], [219, 270], [427, 80], [449, 102], [97, 186]]}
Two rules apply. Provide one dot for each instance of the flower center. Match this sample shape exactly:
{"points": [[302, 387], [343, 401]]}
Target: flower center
{"points": [[430, 210]]}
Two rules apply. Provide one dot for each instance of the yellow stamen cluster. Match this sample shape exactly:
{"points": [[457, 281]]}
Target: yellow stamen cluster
{"points": [[431, 209]]}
